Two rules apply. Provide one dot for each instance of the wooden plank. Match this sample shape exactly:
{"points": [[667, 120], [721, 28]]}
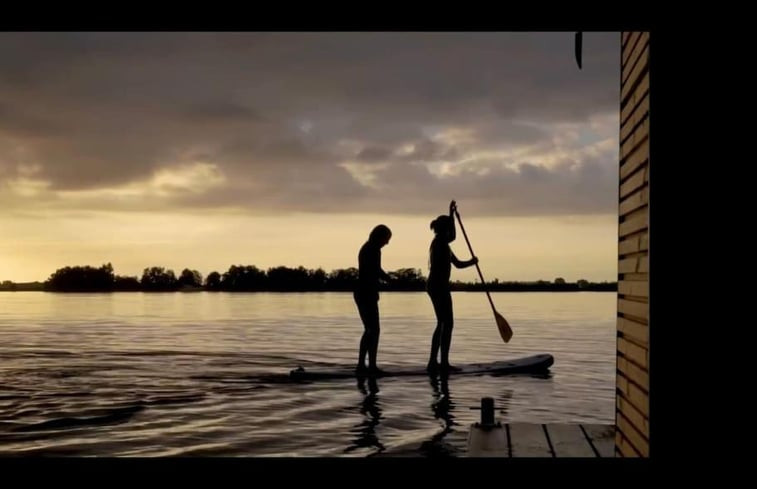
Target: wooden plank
{"points": [[641, 67], [634, 215], [634, 201], [633, 288], [637, 263], [637, 52], [633, 394], [635, 181], [644, 241], [624, 447], [629, 245], [624, 37], [635, 342], [628, 265], [634, 329], [487, 443], [633, 308], [641, 277], [634, 264], [528, 440], [628, 45], [633, 352], [636, 439], [639, 113], [634, 373], [635, 160], [568, 440], [634, 243], [644, 264], [629, 145], [640, 421], [602, 437], [641, 91], [631, 226], [635, 348]]}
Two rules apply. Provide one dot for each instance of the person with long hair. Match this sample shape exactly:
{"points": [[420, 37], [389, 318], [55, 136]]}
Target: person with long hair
{"points": [[366, 296]]}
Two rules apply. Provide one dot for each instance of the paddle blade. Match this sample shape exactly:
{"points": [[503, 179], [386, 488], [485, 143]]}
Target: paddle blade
{"points": [[504, 328]]}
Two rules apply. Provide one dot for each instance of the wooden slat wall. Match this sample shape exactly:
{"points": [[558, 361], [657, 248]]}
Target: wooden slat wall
{"points": [[632, 388]]}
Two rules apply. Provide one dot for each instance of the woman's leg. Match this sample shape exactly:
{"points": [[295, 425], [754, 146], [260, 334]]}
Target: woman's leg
{"points": [[368, 309], [374, 331], [445, 307], [436, 300]]}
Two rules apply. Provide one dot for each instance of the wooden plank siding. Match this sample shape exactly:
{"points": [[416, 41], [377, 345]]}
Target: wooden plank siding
{"points": [[631, 437]]}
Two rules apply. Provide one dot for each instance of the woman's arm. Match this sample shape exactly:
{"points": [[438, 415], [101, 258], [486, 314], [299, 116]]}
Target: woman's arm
{"points": [[462, 264], [381, 273]]}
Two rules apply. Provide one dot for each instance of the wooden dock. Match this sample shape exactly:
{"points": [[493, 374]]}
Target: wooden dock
{"points": [[541, 440]]}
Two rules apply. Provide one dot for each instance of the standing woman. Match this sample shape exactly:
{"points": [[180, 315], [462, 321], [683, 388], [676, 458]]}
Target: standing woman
{"points": [[438, 288], [367, 296]]}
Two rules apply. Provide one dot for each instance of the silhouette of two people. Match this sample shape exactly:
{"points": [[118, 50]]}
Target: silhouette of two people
{"points": [[366, 294]]}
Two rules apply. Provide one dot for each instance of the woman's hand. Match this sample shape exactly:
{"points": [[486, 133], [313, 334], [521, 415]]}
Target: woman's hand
{"points": [[452, 207]]}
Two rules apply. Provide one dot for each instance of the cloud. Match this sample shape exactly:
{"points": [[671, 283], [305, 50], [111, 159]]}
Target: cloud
{"points": [[314, 122]]}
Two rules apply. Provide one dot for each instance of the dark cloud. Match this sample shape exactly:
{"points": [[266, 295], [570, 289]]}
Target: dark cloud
{"points": [[281, 114]]}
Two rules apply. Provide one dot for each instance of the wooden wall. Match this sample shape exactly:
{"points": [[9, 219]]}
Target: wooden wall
{"points": [[632, 384]]}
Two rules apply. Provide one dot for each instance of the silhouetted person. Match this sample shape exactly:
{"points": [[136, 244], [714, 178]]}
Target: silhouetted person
{"points": [[367, 296], [438, 288]]}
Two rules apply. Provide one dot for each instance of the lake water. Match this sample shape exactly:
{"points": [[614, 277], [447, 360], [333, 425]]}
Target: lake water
{"points": [[204, 374]]}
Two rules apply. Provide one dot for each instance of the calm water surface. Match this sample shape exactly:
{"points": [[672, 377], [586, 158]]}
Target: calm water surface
{"points": [[204, 374]]}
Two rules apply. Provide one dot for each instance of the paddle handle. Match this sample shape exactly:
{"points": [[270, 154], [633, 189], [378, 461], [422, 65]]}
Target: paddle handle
{"points": [[465, 235]]}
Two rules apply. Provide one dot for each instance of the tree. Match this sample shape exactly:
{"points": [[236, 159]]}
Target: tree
{"points": [[82, 278], [559, 281], [213, 281], [158, 278], [126, 283], [241, 278], [190, 278], [407, 279], [342, 279], [317, 279], [284, 278]]}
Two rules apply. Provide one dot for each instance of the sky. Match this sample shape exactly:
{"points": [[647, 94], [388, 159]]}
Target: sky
{"points": [[204, 150]]}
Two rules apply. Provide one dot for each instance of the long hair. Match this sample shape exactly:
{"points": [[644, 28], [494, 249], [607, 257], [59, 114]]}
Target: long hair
{"points": [[440, 225], [379, 233]]}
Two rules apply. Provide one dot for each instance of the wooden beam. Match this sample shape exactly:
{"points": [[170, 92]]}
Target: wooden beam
{"points": [[602, 437], [528, 440], [568, 440], [633, 329]]}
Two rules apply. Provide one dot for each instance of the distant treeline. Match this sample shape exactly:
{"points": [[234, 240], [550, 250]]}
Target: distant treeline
{"points": [[249, 278]]}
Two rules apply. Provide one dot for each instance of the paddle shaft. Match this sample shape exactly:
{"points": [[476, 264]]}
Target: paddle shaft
{"points": [[465, 235]]}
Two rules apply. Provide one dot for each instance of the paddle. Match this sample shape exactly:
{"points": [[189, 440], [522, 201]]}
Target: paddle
{"points": [[504, 329]]}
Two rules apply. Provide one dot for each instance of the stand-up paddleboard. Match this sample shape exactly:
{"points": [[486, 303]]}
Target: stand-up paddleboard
{"points": [[532, 364]]}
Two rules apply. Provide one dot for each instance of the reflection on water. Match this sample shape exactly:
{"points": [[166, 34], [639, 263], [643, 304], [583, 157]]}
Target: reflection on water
{"points": [[442, 407], [370, 408]]}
